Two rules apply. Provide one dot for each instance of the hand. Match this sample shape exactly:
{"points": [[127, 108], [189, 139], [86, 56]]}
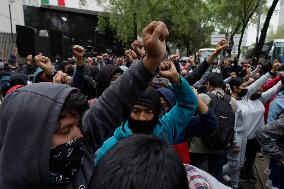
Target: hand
{"points": [[222, 44], [138, 47], [131, 55], [61, 78], [78, 52], [281, 162], [220, 47], [44, 63], [154, 39], [226, 64], [168, 70], [275, 66], [235, 149]]}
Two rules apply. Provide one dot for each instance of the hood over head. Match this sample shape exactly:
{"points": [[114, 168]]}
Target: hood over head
{"points": [[169, 96], [104, 77], [28, 118]]}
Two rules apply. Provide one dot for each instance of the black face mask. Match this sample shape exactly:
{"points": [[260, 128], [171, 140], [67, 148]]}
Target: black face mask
{"points": [[65, 161], [243, 93], [255, 96], [142, 127]]}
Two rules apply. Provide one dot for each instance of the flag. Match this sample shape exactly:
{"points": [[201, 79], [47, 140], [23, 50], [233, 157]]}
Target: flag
{"points": [[60, 3]]}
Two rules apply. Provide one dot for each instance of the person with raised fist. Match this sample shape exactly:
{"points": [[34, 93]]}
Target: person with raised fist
{"points": [[51, 139]]}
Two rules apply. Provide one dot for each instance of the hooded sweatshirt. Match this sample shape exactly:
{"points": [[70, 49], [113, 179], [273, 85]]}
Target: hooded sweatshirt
{"points": [[276, 108], [28, 118], [104, 77], [168, 126]]}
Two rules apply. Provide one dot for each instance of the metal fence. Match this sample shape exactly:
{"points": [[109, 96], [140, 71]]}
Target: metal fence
{"points": [[7, 46]]}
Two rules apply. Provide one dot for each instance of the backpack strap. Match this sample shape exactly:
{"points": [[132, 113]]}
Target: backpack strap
{"points": [[227, 98], [213, 99]]}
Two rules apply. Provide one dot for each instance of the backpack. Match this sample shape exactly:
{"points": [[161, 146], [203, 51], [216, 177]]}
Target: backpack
{"points": [[222, 137]]}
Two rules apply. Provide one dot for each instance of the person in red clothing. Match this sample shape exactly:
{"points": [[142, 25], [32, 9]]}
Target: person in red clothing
{"points": [[269, 84]]}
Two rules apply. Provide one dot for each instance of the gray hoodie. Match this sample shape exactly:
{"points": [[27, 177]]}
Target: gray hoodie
{"points": [[265, 136], [28, 118]]}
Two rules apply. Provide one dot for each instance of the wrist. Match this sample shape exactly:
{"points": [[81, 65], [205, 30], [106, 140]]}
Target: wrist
{"points": [[176, 80], [151, 64], [79, 60], [272, 73]]}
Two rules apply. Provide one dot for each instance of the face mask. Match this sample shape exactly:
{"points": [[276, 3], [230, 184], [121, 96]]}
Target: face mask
{"points": [[255, 96], [142, 127], [243, 93], [65, 161]]}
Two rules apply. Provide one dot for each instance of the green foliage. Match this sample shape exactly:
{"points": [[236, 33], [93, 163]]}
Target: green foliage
{"points": [[189, 22], [279, 34]]}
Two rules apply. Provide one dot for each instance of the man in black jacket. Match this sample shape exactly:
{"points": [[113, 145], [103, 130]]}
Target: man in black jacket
{"points": [[43, 142]]}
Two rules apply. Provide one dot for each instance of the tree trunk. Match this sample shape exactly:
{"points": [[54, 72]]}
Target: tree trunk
{"points": [[241, 39], [264, 29], [233, 34]]}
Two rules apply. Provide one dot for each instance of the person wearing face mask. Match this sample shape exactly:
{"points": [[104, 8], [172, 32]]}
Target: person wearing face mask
{"points": [[202, 123], [249, 118], [145, 116], [48, 140]]}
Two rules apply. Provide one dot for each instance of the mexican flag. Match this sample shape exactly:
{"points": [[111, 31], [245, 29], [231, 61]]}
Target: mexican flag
{"points": [[60, 3]]}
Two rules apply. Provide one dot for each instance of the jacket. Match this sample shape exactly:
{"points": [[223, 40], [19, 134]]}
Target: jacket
{"points": [[276, 108], [84, 79], [197, 73], [267, 86], [168, 126], [274, 130], [28, 118]]}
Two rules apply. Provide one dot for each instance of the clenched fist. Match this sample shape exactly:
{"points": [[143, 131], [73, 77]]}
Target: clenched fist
{"points": [[168, 70], [78, 52], [154, 39], [44, 63]]}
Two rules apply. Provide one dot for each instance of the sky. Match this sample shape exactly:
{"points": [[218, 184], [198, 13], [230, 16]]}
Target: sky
{"points": [[252, 29]]}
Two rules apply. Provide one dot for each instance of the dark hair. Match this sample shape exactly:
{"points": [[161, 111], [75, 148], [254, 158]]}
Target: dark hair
{"points": [[76, 103], [140, 162], [215, 80], [236, 82]]}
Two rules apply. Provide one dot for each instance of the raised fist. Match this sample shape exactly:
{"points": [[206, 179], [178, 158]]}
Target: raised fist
{"points": [[78, 51], [154, 39]]}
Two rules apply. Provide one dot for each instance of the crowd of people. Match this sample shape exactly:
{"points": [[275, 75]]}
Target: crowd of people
{"points": [[143, 121]]}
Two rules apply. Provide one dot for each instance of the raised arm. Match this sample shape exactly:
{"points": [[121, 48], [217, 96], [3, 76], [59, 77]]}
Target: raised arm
{"points": [[175, 121], [198, 72], [117, 101], [262, 80], [271, 92]]}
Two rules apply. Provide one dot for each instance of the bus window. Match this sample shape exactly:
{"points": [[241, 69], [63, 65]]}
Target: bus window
{"points": [[278, 51]]}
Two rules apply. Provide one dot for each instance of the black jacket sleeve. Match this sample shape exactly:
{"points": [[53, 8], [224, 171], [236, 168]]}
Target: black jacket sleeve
{"points": [[197, 73]]}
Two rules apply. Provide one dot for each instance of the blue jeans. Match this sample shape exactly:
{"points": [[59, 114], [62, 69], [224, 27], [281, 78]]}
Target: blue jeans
{"points": [[215, 163]]}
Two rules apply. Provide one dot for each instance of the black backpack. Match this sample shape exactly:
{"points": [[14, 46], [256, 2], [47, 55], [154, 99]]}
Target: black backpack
{"points": [[222, 137]]}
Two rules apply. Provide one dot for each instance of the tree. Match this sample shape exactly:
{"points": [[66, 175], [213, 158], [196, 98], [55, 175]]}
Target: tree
{"points": [[264, 29], [188, 21], [234, 16], [279, 34]]}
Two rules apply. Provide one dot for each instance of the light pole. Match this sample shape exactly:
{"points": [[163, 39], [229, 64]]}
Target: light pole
{"points": [[11, 2]]}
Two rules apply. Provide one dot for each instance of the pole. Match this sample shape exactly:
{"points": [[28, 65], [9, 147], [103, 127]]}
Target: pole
{"points": [[258, 21], [11, 23]]}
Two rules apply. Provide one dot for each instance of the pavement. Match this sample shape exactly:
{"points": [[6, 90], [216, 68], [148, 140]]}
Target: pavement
{"points": [[261, 163]]}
